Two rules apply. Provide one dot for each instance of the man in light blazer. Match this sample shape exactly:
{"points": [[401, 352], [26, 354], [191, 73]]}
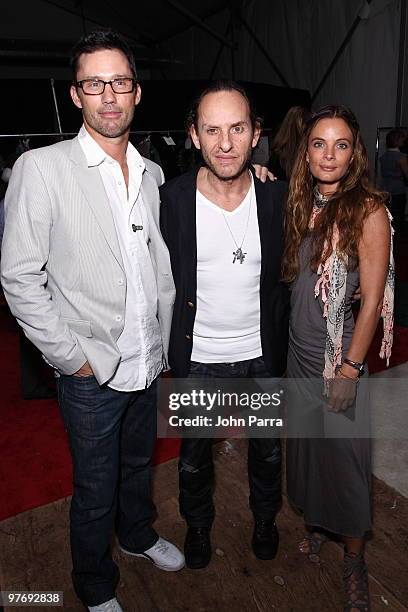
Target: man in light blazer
{"points": [[87, 275]]}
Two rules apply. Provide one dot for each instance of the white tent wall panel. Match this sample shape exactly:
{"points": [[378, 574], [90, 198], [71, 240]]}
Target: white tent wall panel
{"points": [[302, 37]]}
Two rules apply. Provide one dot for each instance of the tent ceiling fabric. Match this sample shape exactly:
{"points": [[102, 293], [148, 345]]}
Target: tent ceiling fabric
{"points": [[300, 38], [66, 20]]}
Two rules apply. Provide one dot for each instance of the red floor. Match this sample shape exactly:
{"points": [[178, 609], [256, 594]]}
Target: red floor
{"points": [[35, 466]]}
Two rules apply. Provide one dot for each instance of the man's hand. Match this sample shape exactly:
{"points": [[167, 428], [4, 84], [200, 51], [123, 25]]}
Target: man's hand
{"points": [[356, 297], [84, 370], [342, 393], [262, 173]]}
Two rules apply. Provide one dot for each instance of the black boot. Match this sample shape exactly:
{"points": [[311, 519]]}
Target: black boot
{"points": [[265, 539], [197, 547]]}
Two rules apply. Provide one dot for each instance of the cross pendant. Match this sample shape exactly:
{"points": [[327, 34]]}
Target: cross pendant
{"points": [[238, 256]]}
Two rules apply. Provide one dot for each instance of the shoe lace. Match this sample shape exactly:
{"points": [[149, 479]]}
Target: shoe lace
{"points": [[263, 527], [161, 547], [200, 533], [110, 606], [197, 536]]}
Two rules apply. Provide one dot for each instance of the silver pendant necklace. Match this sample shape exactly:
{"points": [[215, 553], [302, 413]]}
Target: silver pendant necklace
{"points": [[320, 200], [239, 254]]}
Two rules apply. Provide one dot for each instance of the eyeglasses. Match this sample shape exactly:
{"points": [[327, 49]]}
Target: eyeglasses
{"points": [[96, 87]]}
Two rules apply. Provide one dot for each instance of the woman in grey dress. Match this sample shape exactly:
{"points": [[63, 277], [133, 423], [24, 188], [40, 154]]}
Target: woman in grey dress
{"points": [[338, 238]]}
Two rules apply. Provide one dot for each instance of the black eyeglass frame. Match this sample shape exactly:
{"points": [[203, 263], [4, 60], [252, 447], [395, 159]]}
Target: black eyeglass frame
{"points": [[105, 83]]}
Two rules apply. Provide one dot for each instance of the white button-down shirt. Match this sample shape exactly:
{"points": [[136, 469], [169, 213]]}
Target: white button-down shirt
{"points": [[140, 342]]}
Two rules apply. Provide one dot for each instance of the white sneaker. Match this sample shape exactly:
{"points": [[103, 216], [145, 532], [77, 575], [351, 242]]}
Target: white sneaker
{"points": [[163, 555], [108, 606]]}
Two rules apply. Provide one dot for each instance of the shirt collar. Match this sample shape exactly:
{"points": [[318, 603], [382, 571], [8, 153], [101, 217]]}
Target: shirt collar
{"points": [[95, 155]]}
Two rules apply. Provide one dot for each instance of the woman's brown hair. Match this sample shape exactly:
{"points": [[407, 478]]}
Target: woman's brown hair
{"points": [[348, 208], [286, 141]]}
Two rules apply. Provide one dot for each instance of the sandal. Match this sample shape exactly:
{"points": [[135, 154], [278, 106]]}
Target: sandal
{"points": [[355, 578], [313, 541]]}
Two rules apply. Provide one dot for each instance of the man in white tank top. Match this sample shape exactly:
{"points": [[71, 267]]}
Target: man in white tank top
{"points": [[224, 232]]}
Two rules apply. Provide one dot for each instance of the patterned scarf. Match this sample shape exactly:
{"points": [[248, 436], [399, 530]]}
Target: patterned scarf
{"points": [[331, 285]]}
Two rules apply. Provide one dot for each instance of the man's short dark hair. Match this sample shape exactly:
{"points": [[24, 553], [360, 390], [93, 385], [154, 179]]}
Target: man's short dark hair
{"points": [[393, 138], [98, 41], [215, 87]]}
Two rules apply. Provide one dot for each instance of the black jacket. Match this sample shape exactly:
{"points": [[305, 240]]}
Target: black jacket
{"points": [[178, 225]]}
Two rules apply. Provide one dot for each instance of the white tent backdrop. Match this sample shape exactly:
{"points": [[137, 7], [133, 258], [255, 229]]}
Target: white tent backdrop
{"points": [[302, 37]]}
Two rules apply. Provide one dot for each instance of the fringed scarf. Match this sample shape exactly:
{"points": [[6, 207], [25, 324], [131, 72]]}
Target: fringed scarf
{"points": [[331, 286]]}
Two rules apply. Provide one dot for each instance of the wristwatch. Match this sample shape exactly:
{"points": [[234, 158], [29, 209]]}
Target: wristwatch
{"points": [[356, 365]]}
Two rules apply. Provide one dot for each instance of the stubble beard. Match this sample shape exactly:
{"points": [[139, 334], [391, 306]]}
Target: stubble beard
{"points": [[221, 177], [112, 130]]}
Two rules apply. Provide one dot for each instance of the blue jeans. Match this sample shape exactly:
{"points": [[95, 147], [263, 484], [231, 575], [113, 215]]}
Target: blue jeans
{"points": [[196, 467], [112, 436]]}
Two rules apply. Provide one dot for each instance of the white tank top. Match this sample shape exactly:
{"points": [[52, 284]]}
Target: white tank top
{"points": [[227, 322]]}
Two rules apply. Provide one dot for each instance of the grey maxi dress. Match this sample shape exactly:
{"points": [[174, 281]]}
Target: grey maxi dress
{"points": [[328, 478]]}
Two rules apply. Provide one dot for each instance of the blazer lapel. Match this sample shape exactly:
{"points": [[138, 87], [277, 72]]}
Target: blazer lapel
{"points": [[188, 226], [92, 187], [150, 196], [264, 207], [157, 246]]}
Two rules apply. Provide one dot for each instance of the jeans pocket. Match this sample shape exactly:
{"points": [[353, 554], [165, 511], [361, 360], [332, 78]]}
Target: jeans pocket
{"points": [[79, 394], [196, 369]]}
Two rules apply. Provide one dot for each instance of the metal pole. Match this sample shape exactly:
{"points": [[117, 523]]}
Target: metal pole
{"points": [[53, 134], [201, 24], [232, 22], [377, 150], [220, 50], [402, 83], [89, 20], [362, 14], [56, 106], [263, 50]]}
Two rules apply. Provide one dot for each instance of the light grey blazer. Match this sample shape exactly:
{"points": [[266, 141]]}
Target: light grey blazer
{"points": [[62, 270]]}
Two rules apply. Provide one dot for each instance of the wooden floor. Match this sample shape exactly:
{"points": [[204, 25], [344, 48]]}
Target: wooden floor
{"points": [[34, 554]]}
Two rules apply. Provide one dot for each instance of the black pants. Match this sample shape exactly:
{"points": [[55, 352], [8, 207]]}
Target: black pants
{"points": [[36, 376], [196, 467], [398, 202]]}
